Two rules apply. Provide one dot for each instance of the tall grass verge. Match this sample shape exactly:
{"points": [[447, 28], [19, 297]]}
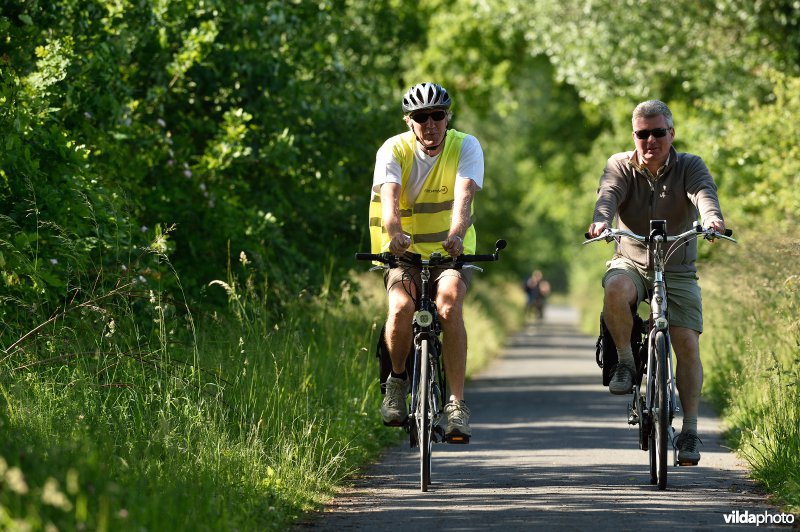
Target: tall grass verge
{"points": [[120, 417], [127, 412], [751, 355]]}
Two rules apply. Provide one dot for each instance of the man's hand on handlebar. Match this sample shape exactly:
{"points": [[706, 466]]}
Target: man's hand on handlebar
{"points": [[454, 245], [399, 244], [596, 229], [717, 225]]}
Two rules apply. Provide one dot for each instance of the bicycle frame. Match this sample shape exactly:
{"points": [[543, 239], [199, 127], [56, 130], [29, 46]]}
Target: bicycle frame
{"points": [[427, 395], [428, 383]]}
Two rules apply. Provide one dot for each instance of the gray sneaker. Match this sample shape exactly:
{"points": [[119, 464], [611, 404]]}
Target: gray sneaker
{"points": [[394, 409], [686, 444], [622, 379], [458, 429]]}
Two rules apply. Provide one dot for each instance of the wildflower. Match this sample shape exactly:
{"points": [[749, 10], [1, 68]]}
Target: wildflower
{"points": [[54, 261], [161, 122], [143, 229], [112, 327], [243, 259], [52, 496], [15, 481]]}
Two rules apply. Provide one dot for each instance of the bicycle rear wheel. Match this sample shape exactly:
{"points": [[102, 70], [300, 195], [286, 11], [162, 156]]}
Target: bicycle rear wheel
{"points": [[661, 417], [422, 417]]}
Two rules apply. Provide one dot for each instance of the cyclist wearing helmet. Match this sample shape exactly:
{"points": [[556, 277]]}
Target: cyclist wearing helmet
{"points": [[422, 192]]}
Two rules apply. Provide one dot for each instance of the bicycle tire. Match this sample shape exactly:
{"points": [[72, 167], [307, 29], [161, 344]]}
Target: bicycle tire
{"points": [[650, 406], [422, 417], [661, 420]]}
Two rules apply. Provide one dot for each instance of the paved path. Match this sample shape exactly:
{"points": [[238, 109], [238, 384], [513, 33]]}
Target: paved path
{"points": [[551, 448]]}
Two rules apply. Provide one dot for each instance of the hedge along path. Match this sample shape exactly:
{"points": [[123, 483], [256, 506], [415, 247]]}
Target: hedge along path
{"points": [[551, 447]]}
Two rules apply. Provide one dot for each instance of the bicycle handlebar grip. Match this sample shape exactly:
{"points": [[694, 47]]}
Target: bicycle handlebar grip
{"points": [[587, 235], [728, 232], [365, 256]]}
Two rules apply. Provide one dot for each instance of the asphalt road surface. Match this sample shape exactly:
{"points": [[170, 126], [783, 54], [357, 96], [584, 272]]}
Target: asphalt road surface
{"points": [[551, 448]]}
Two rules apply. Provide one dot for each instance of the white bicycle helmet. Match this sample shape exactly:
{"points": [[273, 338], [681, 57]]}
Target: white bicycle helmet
{"points": [[425, 96]]}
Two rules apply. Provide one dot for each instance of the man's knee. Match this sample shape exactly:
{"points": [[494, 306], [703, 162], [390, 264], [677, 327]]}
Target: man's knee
{"points": [[685, 344], [620, 291], [401, 307], [450, 300]]}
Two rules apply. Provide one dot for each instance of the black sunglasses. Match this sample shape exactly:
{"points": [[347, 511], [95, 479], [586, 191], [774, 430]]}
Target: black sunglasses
{"points": [[645, 133], [421, 118]]}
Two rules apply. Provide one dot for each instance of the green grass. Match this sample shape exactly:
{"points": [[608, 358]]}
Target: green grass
{"points": [[137, 415], [751, 355]]}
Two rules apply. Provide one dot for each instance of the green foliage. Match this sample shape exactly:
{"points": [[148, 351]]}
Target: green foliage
{"points": [[751, 359], [243, 133], [758, 159]]}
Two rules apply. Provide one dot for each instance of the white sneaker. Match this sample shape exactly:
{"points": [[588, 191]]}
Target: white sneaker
{"points": [[394, 409], [458, 429]]}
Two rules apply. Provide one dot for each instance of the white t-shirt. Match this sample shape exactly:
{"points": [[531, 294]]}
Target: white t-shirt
{"points": [[387, 168]]}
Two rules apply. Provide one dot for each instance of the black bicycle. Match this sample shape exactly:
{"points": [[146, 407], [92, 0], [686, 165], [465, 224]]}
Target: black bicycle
{"points": [[428, 384], [654, 411]]}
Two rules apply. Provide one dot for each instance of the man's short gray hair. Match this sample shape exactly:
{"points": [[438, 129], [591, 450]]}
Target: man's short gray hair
{"points": [[652, 108]]}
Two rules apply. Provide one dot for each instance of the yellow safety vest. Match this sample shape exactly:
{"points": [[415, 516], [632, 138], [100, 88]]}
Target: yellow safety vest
{"points": [[428, 220]]}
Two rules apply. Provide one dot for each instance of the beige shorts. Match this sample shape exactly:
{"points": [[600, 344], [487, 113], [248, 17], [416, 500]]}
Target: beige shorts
{"points": [[405, 273], [684, 302]]}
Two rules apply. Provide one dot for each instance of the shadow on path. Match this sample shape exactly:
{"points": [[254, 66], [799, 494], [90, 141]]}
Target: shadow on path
{"points": [[551, 448]]}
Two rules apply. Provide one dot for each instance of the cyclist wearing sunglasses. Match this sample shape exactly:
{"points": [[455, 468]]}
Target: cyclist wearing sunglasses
{"points": [[422, 192], [655, 182]]}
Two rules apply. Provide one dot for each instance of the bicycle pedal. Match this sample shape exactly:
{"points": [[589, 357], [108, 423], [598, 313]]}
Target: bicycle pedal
{"points": [[395, 423], [457, 438], [687, 463]]}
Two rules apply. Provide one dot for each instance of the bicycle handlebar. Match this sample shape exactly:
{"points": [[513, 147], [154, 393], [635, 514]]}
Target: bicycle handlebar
{"points": [[415, 259], [709, 234]]}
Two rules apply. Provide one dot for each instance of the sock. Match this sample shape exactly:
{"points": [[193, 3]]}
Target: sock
{"points": [[402, 376], [625, 355], [689, 424]]}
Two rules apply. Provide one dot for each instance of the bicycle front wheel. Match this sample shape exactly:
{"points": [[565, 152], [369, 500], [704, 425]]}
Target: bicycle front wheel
{"points": [[423, 418], [661, 417]]}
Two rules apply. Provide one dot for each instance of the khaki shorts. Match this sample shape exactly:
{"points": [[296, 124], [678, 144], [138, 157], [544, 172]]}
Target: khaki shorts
{"points": [[684, 302], [404, 273]]}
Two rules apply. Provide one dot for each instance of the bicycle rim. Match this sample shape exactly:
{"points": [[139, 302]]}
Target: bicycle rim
{"points": [[661, 420], [422, 417]]}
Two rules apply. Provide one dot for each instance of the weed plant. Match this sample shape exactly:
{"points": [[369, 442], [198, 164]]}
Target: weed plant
{"points": [[124, 416], [752, 355], [127, 412]]}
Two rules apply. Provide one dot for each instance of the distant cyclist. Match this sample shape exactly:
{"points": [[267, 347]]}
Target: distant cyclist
{"points": [[655, 182], [537, 288], [422, 193]]}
